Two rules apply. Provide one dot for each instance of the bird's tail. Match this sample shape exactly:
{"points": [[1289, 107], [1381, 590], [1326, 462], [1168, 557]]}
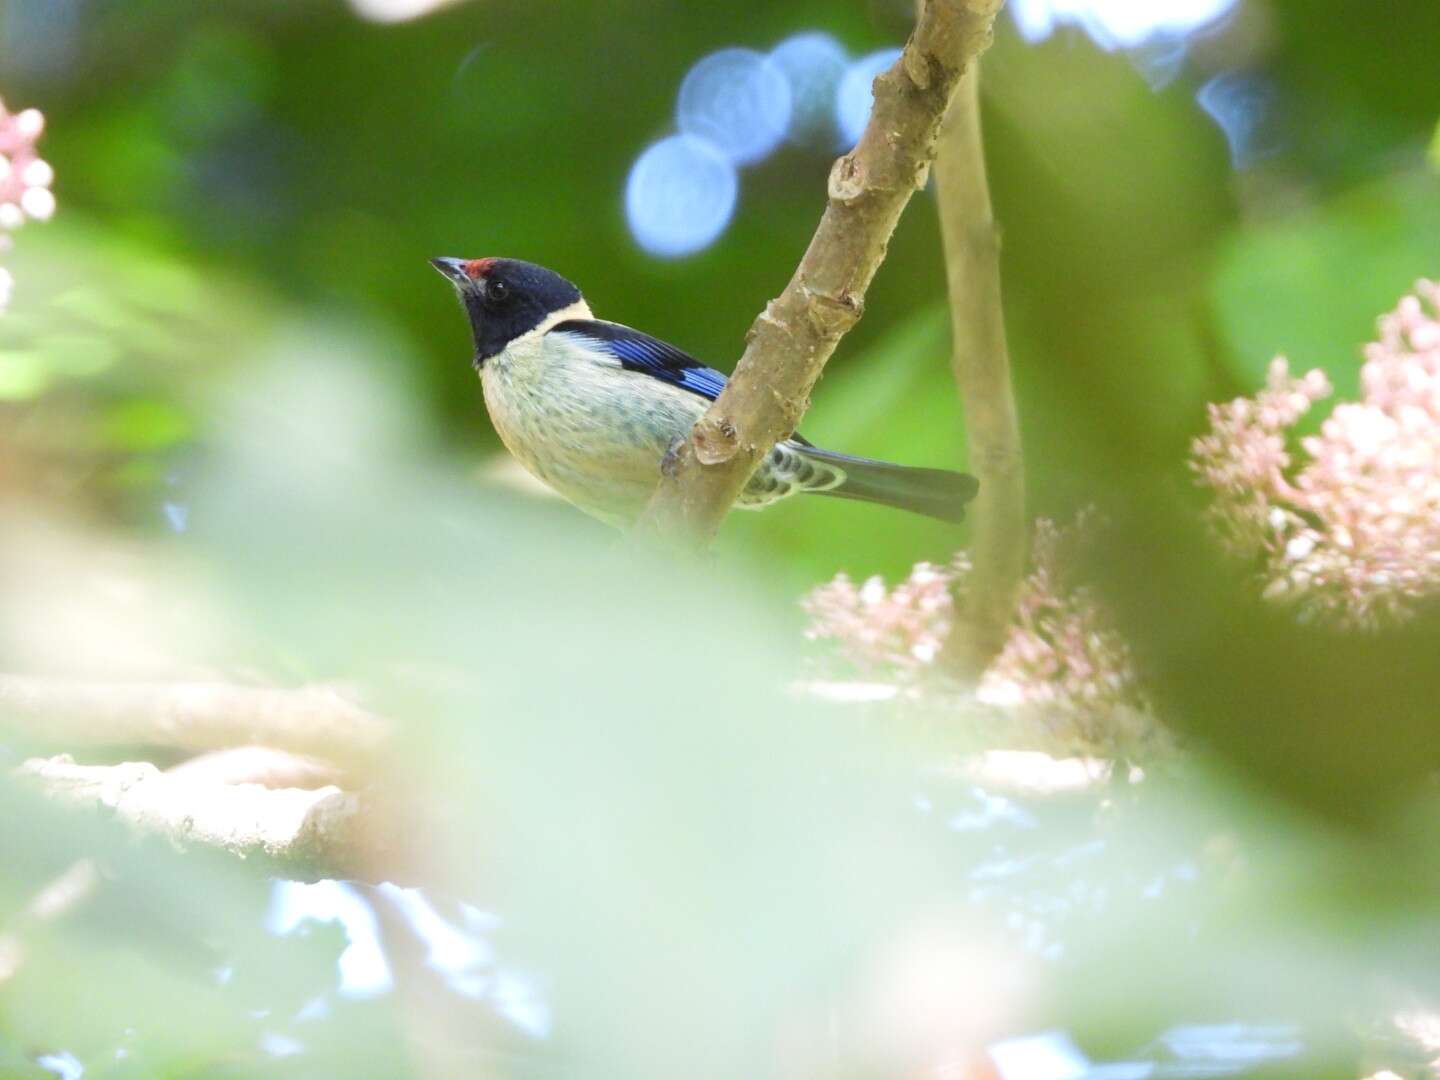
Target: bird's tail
{"points": [[936, 493]]}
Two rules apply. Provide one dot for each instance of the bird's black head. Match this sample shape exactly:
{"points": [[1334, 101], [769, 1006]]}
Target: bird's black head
{"points": [[505, 298]]}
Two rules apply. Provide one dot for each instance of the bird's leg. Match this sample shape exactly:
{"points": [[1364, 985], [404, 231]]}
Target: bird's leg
{"points": [[671, 461]]}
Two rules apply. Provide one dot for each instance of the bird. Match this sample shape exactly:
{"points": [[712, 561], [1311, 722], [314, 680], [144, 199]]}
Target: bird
{"points": [[595, 409]]}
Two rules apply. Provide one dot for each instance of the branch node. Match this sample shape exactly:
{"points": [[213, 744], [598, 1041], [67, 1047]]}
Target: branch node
{"points": [[867, 190], [716, 440], [831, 316], [847, 183], [918, 68]]}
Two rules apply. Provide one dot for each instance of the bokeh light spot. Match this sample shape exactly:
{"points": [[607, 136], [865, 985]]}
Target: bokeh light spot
{"points": [[680, 196], [393, 11], [813, 64], [738, 100], [855, 97]]}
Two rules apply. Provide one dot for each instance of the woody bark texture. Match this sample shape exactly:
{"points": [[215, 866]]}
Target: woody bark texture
{"points": [[303, 834], [311, 720], [791, 340], [980, 359]]}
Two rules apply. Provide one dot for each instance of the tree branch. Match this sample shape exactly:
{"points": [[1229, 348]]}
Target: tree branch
{"points": [[314, 720], [321, 833], [261, 765], [790, 342], [242, 765], [981, 362], [59, 897]]}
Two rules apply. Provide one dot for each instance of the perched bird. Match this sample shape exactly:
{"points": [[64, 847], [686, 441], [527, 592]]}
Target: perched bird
{"points": [[592, 407]]}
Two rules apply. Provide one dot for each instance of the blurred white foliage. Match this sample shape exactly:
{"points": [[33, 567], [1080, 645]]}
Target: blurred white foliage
{"points": [[394, 11], [1116, 24], [364, 971], [1240, 103], [1050, 1055]]}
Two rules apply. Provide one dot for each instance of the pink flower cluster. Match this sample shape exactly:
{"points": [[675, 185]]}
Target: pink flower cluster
{"points": [[24, 181], [1352, 532], [1059, 652], [899, 629]]}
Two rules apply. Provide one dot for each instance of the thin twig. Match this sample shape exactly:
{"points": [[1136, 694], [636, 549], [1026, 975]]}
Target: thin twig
{"points": [[75, 885], [261, 765], [61, 895], [321, 833], [790, 342], [981, 362]]}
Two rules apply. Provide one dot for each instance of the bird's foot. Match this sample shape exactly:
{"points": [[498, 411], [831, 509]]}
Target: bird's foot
{"points": [[670, 463]]}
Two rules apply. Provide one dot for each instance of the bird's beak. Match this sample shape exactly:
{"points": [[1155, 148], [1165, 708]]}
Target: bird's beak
{"points": [[454, 269]]}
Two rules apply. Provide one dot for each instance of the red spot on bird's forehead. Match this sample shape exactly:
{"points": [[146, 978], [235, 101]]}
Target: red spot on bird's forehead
{"points": [[478, 268]]}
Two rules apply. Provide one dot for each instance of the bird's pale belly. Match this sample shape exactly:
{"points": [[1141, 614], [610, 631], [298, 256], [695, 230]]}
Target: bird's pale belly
{"points": [[598, 445]]}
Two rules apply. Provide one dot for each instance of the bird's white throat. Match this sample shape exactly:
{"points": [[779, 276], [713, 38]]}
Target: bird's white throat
{"points": [[527, 345]]}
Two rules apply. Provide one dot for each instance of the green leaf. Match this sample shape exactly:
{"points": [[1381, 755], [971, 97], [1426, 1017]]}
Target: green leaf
{"points": [[1311, 287], [147, 424]]}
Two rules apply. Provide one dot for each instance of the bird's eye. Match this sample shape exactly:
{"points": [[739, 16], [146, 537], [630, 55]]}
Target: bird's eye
{"points": [[497, 291]]}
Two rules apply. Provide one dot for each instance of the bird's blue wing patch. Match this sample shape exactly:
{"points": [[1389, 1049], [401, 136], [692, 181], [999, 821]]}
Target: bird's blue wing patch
{"points": [[650, 356]]}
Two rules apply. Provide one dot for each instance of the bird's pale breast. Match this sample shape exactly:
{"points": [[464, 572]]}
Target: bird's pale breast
{"points": [[584, 425]]}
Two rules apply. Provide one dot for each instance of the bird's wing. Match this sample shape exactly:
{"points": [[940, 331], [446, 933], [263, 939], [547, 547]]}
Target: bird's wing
{"points": [[635, 351]]}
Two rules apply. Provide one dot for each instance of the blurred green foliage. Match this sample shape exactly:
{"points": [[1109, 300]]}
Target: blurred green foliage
{"points": [[1309, 286], [246, 161], [232, 315], [682, 853]]}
